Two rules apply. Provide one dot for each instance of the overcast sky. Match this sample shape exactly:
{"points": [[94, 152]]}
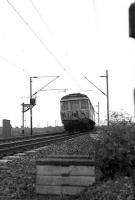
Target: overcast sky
{"points": [[70, 39]]}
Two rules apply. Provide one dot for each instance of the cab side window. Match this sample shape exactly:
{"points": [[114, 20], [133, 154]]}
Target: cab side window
{"points": [[64, 105], [84, 104]]}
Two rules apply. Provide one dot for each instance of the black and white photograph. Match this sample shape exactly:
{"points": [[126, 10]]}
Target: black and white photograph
{"points": [[67, 100]]}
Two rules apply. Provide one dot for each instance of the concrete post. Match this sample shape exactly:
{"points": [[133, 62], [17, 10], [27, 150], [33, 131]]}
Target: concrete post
{"points": [[6, 130]]}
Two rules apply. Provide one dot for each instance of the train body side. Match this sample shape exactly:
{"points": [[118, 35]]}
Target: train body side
{"points": [[77, 112]]}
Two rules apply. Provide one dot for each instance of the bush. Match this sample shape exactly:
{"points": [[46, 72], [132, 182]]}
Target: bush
{"points": [[115, 151]]}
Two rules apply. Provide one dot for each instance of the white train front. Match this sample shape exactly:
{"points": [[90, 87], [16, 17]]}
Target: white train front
{"points": [[77, 112]]}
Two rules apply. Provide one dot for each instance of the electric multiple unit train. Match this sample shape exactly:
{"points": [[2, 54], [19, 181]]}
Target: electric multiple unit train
{"points": [[77, 112]]}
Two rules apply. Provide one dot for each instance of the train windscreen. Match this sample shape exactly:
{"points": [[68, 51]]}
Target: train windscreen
{"points": [[74, 104]]}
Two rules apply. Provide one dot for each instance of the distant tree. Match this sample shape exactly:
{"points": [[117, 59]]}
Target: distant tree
{"points": [[120, 117]]}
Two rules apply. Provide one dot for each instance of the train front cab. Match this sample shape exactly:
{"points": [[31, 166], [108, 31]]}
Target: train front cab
{"points": [[77, 114]]}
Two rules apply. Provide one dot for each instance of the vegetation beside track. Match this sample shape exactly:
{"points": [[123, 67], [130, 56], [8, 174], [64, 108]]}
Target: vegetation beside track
{"points": [[115, 157]]}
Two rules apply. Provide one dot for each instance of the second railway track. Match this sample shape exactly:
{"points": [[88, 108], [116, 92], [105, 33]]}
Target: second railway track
{"points": [[29, 143]]}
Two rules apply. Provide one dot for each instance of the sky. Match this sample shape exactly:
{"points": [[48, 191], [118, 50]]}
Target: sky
{"points": [[70, 39]]}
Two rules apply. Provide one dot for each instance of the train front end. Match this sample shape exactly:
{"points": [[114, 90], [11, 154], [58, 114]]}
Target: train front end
{"points": [[76, 112]]}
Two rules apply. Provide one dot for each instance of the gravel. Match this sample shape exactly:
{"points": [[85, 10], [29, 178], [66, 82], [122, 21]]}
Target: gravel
{"points": [[18, 176]]}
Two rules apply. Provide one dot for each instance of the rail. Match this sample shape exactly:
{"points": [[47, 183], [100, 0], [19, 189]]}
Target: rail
{"points": [[11, 148]]}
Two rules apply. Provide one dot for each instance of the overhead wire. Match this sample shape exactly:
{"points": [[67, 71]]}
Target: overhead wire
{"points": [[94, 5], [15, 65], [95, 13], [97, 23], [43, 43], [41, 16]]}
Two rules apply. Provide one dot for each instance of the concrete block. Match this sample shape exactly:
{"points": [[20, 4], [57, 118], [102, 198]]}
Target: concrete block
{"points": [[67, 175], [69, 180], [66, 161], [58, 190], [52, 170], [71, 170]]}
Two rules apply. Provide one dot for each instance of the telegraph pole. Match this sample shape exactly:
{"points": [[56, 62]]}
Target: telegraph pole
{"points": [[30, 106], [107, 93], [98, 114], [32, 102], [134, 101], [23, 118], [132, 35]]}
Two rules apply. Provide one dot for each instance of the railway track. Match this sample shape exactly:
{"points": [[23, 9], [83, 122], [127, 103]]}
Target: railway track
{"points": [[21, 138], [28, 143]]}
